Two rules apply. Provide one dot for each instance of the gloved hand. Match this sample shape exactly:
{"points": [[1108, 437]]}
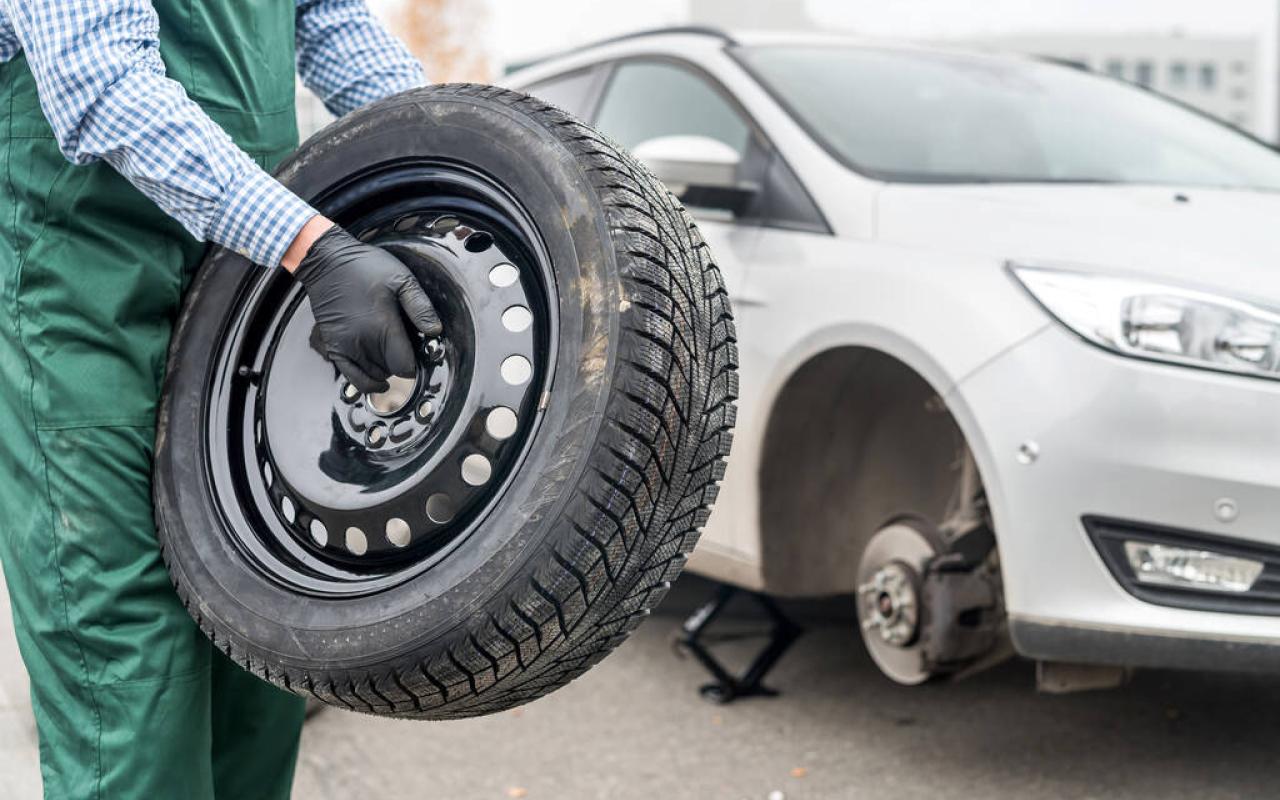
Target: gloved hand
{"points": [[357, 294]]}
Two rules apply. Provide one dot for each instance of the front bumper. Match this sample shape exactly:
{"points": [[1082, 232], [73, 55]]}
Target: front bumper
{"points": [[1093, 645], [1126, 439]]}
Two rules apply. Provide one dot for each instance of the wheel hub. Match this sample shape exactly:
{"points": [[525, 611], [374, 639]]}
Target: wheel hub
{"points": [[890, 604], [402, 415]]}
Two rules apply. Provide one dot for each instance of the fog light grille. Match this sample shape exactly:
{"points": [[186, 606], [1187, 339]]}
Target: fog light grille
{"points": [[1189, 569], [1162, 565]]}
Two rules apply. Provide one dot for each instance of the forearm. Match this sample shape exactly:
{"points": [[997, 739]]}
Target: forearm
{"points": [[103, 88], [316, 227], [348, 58]]}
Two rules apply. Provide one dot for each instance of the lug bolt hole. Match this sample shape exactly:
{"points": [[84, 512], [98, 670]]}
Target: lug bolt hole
{"points": [[425, 411]]}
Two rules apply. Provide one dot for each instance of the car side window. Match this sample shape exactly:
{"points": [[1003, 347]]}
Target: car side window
{"points": [[572, 92], [648, 99]]}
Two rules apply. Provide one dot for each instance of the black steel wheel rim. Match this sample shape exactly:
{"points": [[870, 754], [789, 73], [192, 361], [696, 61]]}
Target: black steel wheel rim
{"points": [[332, 493]]}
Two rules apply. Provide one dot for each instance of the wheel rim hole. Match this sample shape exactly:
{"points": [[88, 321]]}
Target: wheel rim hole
{"points": [[504, 275], [517, 319], [516, 370], [476, 469], [501, 423], [478, 242], [287, 508], [319, 533], [398, 532], [444, 225], [357, 542], [440, 508]]}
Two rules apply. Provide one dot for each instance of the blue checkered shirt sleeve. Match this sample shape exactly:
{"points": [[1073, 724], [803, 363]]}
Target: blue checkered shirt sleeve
{"points": [[103, 88], [347, 58]]}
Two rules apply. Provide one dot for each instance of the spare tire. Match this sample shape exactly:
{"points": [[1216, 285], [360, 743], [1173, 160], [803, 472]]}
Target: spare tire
{"points": [[480, 536]]}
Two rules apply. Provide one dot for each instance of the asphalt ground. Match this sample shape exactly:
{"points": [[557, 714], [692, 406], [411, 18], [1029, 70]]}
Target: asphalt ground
{"points": [[634, 727]]}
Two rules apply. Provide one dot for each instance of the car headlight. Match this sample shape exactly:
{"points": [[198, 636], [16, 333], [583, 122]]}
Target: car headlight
{"points": [[1157, 321]]}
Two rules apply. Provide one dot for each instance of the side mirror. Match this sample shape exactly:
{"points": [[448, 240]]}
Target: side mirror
{"points": [[701, 171]]}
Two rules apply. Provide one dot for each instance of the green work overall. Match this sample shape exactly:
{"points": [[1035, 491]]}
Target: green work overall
{"points": [[131, 700]]}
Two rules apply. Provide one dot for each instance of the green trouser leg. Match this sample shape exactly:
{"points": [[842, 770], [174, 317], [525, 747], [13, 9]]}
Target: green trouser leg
{"points": [[255, 734], [131, 700]]}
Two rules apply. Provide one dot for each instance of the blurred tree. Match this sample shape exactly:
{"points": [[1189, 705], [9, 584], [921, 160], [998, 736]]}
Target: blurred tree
{"points": [[448, 36]]}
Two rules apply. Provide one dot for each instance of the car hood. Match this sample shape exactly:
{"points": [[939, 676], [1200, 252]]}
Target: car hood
{"points": [[1218, 239]]}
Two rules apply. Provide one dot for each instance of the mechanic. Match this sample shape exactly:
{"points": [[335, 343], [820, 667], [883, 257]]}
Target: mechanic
{"points": [[132, 132]]}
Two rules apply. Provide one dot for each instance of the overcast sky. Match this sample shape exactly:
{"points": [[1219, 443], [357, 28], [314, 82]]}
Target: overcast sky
{"points": [[931, 18], [523, 28]]}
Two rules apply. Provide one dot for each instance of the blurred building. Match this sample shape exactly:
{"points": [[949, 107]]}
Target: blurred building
{"points": [[1220, 76]]}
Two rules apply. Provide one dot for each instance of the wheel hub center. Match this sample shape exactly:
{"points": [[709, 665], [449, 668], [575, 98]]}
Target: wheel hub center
{"points": [[404, 413], [397, 396], [890, 604]]}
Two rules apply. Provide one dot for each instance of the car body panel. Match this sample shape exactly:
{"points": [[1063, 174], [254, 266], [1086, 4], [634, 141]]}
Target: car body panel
{"points": [[1129, 440], [920, 272], [1211, 239]]}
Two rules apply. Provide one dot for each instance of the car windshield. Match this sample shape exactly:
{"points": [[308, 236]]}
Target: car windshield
{"points": [[909, 115]]}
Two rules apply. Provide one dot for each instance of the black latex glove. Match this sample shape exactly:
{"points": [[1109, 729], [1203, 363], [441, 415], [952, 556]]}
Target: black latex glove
{"points": [[358, 293]]}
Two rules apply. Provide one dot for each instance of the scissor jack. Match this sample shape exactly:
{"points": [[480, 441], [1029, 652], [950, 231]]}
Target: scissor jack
{"points": [[727, 687]]}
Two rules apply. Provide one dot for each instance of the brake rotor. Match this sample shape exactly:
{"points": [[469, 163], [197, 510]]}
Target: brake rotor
{"points": [[890, 601]]}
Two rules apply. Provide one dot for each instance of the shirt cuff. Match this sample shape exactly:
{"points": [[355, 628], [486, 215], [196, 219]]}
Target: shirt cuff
{"points": [[260, 218]]}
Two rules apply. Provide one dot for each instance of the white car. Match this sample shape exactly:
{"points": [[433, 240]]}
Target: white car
{"points": [[1009, 337]]}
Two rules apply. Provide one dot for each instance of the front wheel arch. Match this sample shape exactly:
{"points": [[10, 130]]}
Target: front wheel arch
{"points": [[855, 437]]}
